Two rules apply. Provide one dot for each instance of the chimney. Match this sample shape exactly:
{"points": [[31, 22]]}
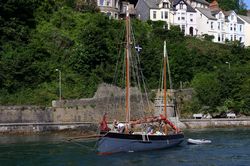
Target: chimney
{"points": [[214, 6]]}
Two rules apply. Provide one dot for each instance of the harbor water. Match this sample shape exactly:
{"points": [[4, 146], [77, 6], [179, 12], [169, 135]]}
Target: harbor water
{"points": [[229, 147]]}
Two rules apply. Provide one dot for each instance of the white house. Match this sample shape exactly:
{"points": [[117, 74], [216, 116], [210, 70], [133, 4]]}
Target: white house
{"points": [[197, 17], [246, 28], [235, 27], [109, 7], [184, 16], [205, 22], [221, 27], [224, 26], [173, 12], [161, 11]]}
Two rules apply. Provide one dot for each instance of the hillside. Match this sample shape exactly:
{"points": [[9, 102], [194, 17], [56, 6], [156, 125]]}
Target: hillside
{"points": [[39, 37]]}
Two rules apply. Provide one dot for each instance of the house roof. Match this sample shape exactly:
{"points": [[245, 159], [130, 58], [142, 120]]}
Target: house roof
{"points": [[239, 21], [152, 3], [227, 13], [207, 13], [189, 8], [245, 18], [203, 2], [214, 12]]}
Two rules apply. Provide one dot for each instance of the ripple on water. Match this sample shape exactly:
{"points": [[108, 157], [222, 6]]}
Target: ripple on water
{"points": [[229, 147]]}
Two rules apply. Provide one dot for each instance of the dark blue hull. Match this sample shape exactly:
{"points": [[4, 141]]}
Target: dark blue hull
{"points": [[117, 142]]}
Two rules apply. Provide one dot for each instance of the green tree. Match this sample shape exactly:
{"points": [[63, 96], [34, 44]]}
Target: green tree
{"points": [[207, 89]]}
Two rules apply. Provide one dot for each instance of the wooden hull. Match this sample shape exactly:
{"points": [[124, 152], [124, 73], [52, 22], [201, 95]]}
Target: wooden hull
{"points": [[117, 142]]}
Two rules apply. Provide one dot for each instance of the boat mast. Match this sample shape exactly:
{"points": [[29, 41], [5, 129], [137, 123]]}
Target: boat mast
{"points": [[165, 80], [127, 67]]}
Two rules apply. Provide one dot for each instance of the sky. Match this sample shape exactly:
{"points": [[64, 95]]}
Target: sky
{"points": [[247, 3]]}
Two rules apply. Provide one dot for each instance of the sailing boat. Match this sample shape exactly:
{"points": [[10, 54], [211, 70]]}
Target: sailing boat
{"points": [[113, 141]]}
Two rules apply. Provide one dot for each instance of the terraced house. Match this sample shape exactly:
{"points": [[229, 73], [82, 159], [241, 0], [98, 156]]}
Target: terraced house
{"points": [[116, 8], [196, 18]]}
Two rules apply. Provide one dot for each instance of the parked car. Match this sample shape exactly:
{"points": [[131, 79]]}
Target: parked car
{"points": [[231, 115]]}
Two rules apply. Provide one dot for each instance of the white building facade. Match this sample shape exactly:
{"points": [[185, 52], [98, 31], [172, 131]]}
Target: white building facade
{"points": [[246, 28], [177, 12], [109, 7], [197, 18], [185, 17], [224, 26], [161, 12]]}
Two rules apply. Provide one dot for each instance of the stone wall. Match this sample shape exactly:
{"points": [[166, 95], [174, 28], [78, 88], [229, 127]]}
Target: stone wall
{"points": [[25, 114], [82, 110], [90, 110], [215, 123]]}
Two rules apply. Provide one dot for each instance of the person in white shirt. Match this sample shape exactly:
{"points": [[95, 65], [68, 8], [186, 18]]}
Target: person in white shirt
{"points": [[120, 127]]}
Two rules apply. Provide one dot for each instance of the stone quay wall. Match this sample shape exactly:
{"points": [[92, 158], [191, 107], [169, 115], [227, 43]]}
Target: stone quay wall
{"points": [[85, 114], [64, 114], [214, 123]]}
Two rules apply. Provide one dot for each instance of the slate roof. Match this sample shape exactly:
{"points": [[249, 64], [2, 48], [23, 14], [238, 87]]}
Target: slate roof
{"points": [[202, 1], [214, 12], [245, 18], [239, 21], [227, 13], [207, 13], [189, 8], [152, 3]]}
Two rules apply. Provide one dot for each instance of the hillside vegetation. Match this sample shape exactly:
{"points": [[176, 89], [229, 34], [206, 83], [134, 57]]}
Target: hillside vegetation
{"points": [[38, 37]]}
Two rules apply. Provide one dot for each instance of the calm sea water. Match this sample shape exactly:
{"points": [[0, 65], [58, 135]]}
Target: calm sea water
{"points": [[230, 147]]}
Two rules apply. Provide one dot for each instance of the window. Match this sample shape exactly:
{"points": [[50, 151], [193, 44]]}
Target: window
{"points": [[178, 18], [182, 18], [232, 17], [108, 2], [231, 37], [165, 5], [181, 5], [219, 37], [218, 25], [220, 16], [231, 27], [222, 37], [240, 39], [240, 28], [234, 27], [166, 26], [109, 14], [191, 15], [234, 37], [124, 9], [101, 2], [154, 14], [191, 20], [162, 15], [183, 28], [212, 25], [116, 4], [166, 15]]}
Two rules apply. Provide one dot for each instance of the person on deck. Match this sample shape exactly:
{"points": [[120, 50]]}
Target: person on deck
{"points": [[121, 127], [104, 125], [115, 124]]}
